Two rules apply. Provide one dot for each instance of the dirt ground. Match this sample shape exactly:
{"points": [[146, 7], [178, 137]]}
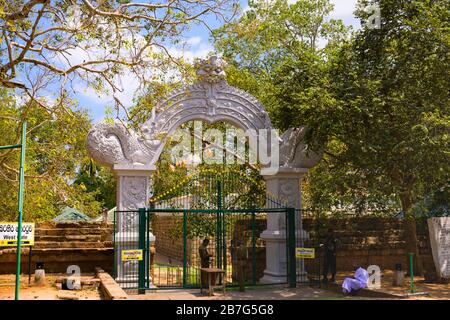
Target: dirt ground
{"points": [[435, 292], [280, 292], [47, 292]]}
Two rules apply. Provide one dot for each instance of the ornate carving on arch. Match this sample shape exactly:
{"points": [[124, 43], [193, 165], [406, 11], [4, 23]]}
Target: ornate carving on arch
{"points": [[210, 99], [289, 191], [134, 190], [113, 143], [294, 153]]}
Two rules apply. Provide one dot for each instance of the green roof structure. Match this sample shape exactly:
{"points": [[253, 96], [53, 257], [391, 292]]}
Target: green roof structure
{"points": [[71, 214]]}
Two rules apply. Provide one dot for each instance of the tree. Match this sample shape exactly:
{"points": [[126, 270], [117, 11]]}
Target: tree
{"points": [[280, 53], [53, 45], [378, 103], [276, 33], [50, 48], [392, 84], [55, 151]]}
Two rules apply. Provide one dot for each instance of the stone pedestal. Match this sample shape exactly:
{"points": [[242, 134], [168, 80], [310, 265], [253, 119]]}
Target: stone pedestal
{"points": [[134, 187], [39, 277], [439, 228], [285, 186]]}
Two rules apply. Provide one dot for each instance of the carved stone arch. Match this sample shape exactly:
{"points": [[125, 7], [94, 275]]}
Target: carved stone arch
{"points": [[209, 102], [210, 99]]}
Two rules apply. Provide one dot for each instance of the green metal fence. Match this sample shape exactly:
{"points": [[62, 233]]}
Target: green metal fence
{"points": [[223, 228], [131, 232], [227, 207]]}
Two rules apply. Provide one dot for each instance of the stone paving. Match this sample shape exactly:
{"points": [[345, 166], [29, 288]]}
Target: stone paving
{"points": [[265, 293], [439, 291], [436, 291]]}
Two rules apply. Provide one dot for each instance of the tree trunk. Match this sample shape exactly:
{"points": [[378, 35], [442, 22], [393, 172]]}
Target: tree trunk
{"points": [[411, 241]]}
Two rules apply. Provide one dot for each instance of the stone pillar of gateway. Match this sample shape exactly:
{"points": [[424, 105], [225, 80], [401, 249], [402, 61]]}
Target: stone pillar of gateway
{"points": [[133, 155]]}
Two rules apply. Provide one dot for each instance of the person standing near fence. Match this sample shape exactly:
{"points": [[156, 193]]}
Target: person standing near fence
{"points": [[205, 258], [242, 257], [330, 256]]}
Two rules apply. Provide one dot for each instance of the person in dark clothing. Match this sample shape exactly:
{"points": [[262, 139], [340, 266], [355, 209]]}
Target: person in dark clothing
{"points": [[205, 258], [242, 257], [330, 256]]}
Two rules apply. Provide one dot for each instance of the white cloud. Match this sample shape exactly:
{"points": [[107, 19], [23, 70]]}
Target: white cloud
{"points": [[193, 41], [343, 8], [189, 55]]}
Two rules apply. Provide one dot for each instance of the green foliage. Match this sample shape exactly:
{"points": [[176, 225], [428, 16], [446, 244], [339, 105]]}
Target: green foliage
{"points": [[376, 103], [434, 204], [392, 88], [99, 181], [56, 148]]}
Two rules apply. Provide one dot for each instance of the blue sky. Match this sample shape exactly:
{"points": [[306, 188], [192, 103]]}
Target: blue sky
{"points": [[199, 46]]}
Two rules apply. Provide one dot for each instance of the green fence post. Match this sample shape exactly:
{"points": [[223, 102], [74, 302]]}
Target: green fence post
{"points": [[291, 267], [219, 226], [185, 249], [115, 247], [147, 247], [411, 272], [20, 205], [253, 248], [141, 268]]}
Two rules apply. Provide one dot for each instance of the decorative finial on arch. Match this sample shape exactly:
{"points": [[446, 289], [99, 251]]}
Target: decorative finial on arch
{"points": [[211, 70]]}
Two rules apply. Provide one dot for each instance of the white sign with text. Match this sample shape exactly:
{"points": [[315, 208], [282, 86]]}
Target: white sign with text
{"points": [[8, 234], [439, 229]]}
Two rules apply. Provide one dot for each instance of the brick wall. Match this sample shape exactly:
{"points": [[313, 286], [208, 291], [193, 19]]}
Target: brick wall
{"points": [[244, 230], [169, 239], [363, 241], [60, 244], [369, 241]]}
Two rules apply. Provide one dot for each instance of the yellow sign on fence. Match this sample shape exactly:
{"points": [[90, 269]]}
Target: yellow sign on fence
{"points": [[132, 255], [305, 253], [8, 234]]}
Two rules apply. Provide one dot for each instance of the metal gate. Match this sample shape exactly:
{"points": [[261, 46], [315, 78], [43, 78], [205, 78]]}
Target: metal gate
{"points": [[229, 208]]}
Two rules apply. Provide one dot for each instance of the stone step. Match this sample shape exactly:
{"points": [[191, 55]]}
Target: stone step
{"points": [[63, 238], [72, 231], [58, 254], [73, 244], [72, 224], [110, 287]]}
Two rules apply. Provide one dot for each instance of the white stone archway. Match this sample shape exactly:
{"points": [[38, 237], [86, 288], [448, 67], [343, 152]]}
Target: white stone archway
{"points": [[133, 155]]}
